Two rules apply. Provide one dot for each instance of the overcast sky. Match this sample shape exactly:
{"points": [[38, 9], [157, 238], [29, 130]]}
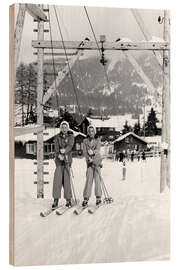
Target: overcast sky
{"points": [[112, 22]]}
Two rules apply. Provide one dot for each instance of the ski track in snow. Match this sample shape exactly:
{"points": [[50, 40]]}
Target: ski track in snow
{"points": [[134, 227]]}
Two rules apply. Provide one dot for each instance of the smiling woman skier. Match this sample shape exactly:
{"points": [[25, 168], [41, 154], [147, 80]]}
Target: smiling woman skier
{"points": [[63, 158], [91, 151]]}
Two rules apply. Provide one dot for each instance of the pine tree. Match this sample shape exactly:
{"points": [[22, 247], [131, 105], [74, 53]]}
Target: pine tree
{"points": [[25, 90], [126, 128], [150, 125], [137, 128]]}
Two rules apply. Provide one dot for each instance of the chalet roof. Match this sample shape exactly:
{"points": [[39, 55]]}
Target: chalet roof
{"points": [[128, 134], [49, 133]]}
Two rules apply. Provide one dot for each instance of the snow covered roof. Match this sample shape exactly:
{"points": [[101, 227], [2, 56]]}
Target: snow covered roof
{"points": [[115, 121], [102, 123], [127, 134], [49, 133], [153, 139]]}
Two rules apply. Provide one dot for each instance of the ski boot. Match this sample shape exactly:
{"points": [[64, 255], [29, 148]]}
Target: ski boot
{"points": [[98, 201], [68, 203], [55, 203], [85, 202]]}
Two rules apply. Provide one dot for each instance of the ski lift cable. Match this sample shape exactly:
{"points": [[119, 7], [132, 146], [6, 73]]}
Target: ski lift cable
{"points": [[144, 35], [52, 50], [54, 71], [97, 45], [105, 71], [70, 72], [84, 83]]}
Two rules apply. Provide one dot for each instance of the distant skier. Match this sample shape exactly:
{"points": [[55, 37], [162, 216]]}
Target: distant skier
{"points": [[116, 156], [139, 156], [143, 156], [91, 151], [132, 156], [64, 142], [128, 154], [121, 156]]}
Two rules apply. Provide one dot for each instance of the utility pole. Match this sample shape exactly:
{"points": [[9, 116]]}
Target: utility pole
{"points": [[144, 119], [40, 152], [165, 159], [144, 116]]}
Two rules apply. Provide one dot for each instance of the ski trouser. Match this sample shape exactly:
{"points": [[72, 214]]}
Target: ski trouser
{"points": [[92, 174], [62, 178]]}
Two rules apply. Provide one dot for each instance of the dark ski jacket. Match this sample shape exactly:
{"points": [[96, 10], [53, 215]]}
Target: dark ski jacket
{"points": [[64, 141]]}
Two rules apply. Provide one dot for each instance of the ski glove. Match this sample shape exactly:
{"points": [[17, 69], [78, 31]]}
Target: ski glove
{"points": [[90, 152], [61, 157]]}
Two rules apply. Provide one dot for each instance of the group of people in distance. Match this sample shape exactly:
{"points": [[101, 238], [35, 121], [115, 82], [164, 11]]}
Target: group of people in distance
{"points": [[64, 142], [130, 155]]}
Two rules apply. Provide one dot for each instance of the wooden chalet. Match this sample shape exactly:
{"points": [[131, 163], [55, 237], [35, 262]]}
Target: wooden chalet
{"points": [[129, 141], [26, 144], [106, 129], [82, 122]]}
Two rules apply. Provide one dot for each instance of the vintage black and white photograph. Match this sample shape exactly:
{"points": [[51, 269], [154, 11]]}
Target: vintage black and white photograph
{"points": [[90, 120]]}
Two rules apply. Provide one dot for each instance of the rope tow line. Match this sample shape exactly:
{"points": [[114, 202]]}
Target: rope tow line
{"points": [[105, 71], [52, 50], [67, 60]]}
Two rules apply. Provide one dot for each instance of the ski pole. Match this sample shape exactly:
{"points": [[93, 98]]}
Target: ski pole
{"points": [[109, 199], [103, 191], [103, 187], [72, 185], [102, 182]]}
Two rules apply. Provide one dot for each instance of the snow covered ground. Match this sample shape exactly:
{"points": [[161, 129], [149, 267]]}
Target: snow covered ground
{"points": [[135, 227]]}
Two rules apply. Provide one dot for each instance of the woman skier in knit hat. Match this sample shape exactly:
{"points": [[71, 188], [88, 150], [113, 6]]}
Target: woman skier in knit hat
{"points": [[91, 151], [64, 142]]}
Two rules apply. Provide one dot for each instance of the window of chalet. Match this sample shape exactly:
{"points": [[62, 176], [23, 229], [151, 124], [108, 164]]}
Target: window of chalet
{"points": [[137, 147], [49, 148], [30, 148], [127, 140], [53, 147], [131, 139], [78, 146], [81, 146], [45, 148]]}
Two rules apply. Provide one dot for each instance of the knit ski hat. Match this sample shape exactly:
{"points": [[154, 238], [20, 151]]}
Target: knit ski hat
{"points": [[64, 123], [91, 126]]}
